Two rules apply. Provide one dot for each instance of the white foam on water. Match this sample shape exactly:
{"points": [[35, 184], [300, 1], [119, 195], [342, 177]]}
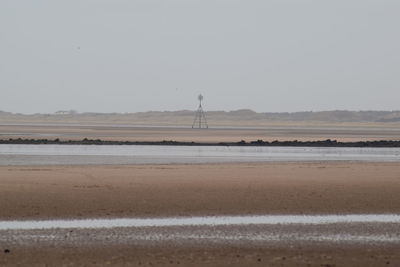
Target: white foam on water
{"points": [[200, 221]]}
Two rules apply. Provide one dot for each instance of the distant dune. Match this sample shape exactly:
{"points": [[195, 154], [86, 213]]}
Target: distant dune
{"points": [[243, 117]]}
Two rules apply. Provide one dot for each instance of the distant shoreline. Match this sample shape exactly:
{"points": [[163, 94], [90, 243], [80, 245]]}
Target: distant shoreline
{"points": [[257, 143]]}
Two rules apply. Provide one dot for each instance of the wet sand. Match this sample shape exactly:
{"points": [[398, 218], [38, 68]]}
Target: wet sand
{"points": [[55, 192], [204, 189], [127, 247]]}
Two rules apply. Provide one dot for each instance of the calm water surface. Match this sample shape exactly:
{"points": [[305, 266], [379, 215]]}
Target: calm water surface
{"points": [[124, 154], [201, 221]]}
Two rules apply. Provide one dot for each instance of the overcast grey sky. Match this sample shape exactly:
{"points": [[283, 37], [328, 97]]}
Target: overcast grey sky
{"points": [[140, 55]]}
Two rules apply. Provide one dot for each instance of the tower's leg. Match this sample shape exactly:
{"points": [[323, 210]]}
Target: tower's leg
{"points": [[200, 119]]}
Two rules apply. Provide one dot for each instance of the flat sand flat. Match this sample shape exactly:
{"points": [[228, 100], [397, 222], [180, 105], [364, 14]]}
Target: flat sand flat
{"points": [[64, 192]]}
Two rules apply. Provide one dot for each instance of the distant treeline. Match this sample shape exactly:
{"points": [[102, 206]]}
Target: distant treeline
{"points": [[261, 143]]}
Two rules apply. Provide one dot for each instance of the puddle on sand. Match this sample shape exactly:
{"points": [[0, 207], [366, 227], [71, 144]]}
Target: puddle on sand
{"points": [[201, 221]]}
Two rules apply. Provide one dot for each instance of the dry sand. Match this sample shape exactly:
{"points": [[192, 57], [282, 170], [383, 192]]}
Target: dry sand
{"points": [[212, 189], [130, 133]]}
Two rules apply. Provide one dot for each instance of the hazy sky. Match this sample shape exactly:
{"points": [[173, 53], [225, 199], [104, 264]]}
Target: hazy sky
{"points": [[133, 55]]}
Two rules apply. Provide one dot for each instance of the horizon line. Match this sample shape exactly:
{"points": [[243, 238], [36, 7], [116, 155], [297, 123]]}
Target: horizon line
{"points": [[76, 112]]}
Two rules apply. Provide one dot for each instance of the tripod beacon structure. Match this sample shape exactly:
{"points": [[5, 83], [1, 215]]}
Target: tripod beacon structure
{"points": [[200, 120]]}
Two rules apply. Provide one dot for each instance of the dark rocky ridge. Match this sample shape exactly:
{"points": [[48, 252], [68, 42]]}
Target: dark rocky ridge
{"points": [[294, 143]]}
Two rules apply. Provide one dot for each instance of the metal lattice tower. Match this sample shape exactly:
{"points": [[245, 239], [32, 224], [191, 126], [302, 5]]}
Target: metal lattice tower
{"points": [[200, 120]]}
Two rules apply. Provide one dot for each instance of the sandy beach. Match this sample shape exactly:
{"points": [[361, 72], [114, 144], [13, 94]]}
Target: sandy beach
{"points": [[200, 133], [58, 192], [205, 189], [344, 133]]}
